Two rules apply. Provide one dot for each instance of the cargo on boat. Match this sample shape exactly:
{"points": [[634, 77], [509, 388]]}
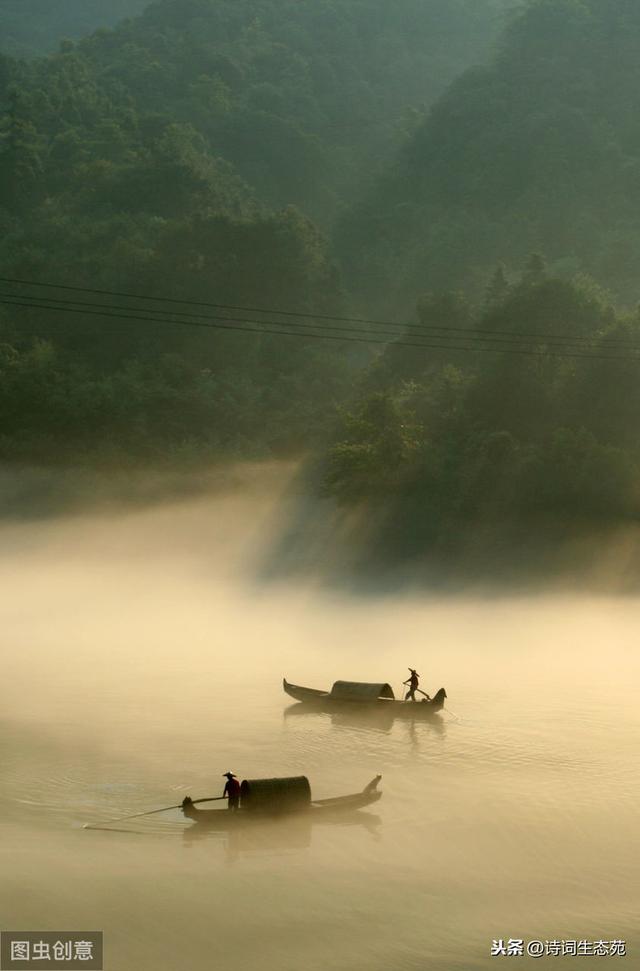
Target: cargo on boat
{"points": [[360, 691], [276, 795]]}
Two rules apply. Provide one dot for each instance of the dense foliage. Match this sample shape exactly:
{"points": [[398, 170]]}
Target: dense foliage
{"points": [[305, 99], [307, 155], [539, 150], [444, 445], [184, 154]]}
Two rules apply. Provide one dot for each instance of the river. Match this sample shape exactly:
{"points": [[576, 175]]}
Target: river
{"points": [[143, 657]]}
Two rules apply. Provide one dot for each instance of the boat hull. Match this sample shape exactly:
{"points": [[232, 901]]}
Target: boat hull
{"points": [[323, 701]]}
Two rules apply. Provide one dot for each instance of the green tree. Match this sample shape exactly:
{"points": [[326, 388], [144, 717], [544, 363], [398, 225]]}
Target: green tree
{"points": [[498, 287], [377, 445]]}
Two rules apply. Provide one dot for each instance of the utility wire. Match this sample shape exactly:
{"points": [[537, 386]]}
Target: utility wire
{"points": [[221, 323], [306, 315], [45, 304]]}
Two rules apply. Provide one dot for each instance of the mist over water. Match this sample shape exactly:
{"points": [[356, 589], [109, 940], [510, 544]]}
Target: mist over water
{"points": [[143, 658]]}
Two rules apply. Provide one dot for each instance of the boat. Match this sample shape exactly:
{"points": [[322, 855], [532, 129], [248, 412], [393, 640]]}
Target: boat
{"points": [[268, 799], [356, 695]]}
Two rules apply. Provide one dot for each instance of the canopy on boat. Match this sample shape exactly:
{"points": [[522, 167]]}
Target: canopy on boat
{"points": [[359, 691], [276, 794]]}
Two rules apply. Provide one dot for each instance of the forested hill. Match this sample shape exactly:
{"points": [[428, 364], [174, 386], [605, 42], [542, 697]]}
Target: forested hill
{"points": [[31, 27], [192, 152], [538, 151], [206, 151], [305, 98]]}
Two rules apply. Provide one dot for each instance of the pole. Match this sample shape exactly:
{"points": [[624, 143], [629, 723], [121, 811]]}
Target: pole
{"points": [[150, 812]]}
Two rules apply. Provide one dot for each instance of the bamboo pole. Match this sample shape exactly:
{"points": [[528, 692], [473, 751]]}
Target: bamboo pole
{"points": [[150, 812]]}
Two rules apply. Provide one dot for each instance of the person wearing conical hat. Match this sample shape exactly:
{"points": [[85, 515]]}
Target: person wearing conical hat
{"points": [[413, 683], [232, 792]]}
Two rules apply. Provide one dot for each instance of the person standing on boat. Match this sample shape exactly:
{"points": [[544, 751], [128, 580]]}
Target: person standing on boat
{"points": [[232, 791], [413, 685]]}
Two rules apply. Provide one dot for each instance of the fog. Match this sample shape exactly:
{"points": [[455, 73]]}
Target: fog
{"points": [[319, 355], [143, 657]]}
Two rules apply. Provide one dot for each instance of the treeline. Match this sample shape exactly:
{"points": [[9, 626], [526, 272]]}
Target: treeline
{"points": [[302, 156], [444, 446], [166, 410]]}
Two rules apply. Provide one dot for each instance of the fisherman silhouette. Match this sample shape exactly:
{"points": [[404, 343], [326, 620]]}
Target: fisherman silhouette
{"points": [[232, 792], [413, 685]]}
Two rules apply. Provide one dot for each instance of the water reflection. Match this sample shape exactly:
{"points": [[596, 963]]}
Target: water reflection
{"points": [[272, 835], [372, 719], [139, 662]]}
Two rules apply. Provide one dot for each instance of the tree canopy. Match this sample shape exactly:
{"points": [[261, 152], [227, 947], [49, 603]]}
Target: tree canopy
{"points": [[198, 151], [343, 160], [537, 150]]}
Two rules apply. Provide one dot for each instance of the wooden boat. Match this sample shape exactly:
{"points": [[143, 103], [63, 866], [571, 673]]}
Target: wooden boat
{"points": [[369, 697], [283, 801]]}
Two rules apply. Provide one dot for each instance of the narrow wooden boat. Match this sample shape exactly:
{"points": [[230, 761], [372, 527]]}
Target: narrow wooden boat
{"points": [[284, 797], [368, 696]]}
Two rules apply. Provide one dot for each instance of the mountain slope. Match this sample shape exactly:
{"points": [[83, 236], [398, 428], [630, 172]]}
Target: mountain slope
{"points": [[538, 151]]}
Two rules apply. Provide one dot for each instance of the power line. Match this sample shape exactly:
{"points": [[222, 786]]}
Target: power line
{"points": [[190, 317], [306, 315], [44, 303], [221, 323]]}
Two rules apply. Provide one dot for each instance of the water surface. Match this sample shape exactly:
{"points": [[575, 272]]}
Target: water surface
{"points": [[141, 660]]}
